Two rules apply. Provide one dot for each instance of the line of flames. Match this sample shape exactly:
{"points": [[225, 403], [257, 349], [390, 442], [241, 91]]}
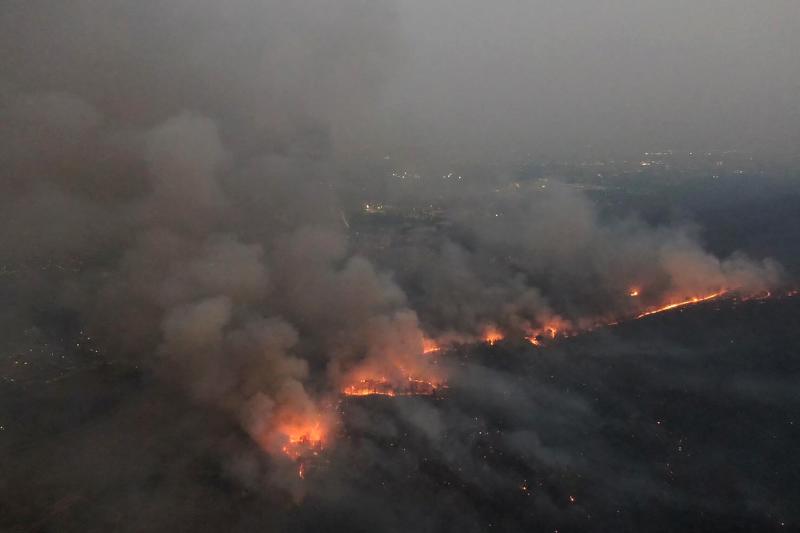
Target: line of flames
{"points": [[307, 439], [383, 387], [684, 303]]}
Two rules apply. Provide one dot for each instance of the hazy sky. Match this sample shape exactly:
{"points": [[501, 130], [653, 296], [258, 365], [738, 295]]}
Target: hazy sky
{"points": [[436, 78], [546, 75]]}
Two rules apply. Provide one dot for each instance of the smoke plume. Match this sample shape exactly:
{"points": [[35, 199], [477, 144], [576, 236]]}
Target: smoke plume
{"points": [[171, 173]]}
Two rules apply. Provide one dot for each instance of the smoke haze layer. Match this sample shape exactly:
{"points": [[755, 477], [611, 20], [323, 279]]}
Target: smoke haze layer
{"points": [[176, 178]]}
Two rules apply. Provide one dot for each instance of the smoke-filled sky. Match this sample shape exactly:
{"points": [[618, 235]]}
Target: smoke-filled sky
{"points": [[464, 77], [618, 75], [177, 183]]}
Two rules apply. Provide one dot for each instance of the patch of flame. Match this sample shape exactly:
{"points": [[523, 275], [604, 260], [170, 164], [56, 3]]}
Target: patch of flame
{"points": [[550, 330], [302, 437], [383, 387], [369, 387], [683, 303], [430, 346], [492, 335], [634, 292], [534, 339]]}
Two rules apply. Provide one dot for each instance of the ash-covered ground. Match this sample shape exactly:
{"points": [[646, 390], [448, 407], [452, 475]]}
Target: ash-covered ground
{"points": [[686, 420]]}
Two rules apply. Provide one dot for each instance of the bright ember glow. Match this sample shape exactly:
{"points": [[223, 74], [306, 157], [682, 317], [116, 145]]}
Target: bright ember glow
{"points": [[369, 387], [430, 346], [492, 335], [550, 330], [547, 332], [675, 305], [403, 372], [302, 437], [383, 387], [302, 434]]}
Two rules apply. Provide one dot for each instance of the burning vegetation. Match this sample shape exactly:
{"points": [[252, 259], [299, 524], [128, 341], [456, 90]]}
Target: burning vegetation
{"points": [[682, 303], [302, 437], [430, 346], [412, 376], [383, 387], [492, 335], [557, 327]]}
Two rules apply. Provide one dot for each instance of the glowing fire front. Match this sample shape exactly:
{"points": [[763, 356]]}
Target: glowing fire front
{"points": [[383, 387], [551, 329], [303, 438], [302, 435], [682, 303], [558, 327], [492, 335], [297, 431], [430, 346], [537, 337], [401, 373]]}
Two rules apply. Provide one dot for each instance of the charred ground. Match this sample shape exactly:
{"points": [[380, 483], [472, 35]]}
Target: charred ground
{"points": [[683, 418]]}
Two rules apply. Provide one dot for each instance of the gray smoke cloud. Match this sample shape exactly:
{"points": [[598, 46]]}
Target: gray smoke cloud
{"points": [[531, 257], [173, 164]]}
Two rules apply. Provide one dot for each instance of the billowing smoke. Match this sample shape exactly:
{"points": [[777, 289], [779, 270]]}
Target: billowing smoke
{"points": [[170, 172], [526, 259], [173, 165]]}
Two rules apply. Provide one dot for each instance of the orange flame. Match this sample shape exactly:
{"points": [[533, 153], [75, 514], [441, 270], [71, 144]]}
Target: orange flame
{"points": [[369, 387], [383, 387], [536, 337], [430, 346], [492, 335], [302, 437], [401, 372], [675, 305], [550, 330], [634, 293]]}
